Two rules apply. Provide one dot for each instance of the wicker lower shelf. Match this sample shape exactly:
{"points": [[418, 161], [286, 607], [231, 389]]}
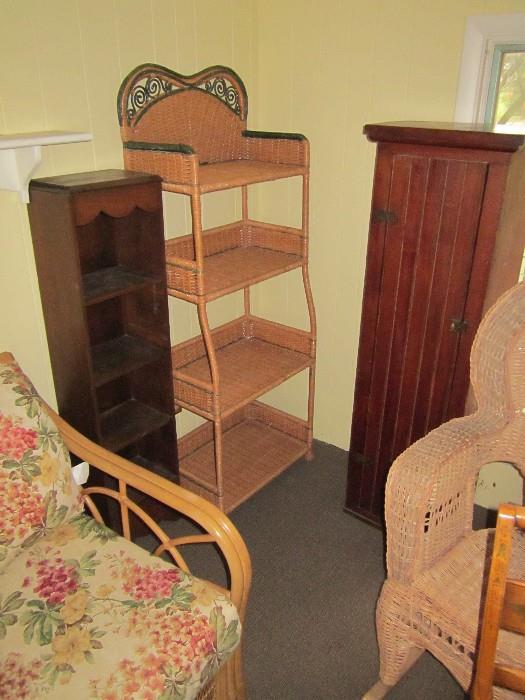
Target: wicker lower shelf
{"points": [[235, 255], [253, 356], [259, 442]]}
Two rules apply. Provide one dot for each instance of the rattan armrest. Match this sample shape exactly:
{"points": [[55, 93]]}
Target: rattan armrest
{"points": [[174, 162], [164, 147], [430, 495], [216, 524], [275, 147], [251, 134]]}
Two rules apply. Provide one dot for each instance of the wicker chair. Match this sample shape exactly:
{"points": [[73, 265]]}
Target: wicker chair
{"points": [[436, 563]]}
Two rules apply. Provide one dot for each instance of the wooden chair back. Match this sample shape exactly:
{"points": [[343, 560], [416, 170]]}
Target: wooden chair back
{"points": [[504, 609]]}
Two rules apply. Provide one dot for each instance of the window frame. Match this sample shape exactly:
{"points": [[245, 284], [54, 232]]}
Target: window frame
{"points": [[489, 107], [482, 34]]}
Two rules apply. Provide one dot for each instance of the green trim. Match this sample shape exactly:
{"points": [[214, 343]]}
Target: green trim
{"points": [[170, 147], [273, 135]]}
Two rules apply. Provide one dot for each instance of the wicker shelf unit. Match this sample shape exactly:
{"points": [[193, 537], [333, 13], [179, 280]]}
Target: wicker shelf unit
{"points": [[191, 130]]}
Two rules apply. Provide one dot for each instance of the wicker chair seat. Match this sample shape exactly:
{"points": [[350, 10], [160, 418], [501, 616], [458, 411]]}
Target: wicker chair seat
{"points": [[443, 606]]}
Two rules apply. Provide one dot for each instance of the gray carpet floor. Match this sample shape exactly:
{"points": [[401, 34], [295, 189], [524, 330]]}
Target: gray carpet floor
{"points": [[317, 572]]}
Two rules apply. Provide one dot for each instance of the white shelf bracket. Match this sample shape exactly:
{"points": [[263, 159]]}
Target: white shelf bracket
{"points": [[21, 154]]}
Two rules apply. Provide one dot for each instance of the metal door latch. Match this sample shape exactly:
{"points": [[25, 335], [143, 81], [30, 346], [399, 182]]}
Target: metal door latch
{"points": [[458, 325]]}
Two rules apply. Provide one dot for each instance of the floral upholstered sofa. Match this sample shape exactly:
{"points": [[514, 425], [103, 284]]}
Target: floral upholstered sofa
{"points": [[87, 614]]}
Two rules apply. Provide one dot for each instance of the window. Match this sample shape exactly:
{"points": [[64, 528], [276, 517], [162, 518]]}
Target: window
{"points": [[492, 75], [493, 71], [505, 98]]}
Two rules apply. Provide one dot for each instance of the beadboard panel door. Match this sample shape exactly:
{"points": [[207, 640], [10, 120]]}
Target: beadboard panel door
{"points": [[435, 211]]}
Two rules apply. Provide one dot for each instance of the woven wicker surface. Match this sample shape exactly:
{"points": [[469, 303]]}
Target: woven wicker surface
{"points": [[192, 132], [431, 599], [255, 451], [223, 176], [236, 255], [252, 358]]}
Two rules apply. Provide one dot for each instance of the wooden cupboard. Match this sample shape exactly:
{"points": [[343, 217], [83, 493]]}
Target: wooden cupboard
{"points": [[446, 238]]}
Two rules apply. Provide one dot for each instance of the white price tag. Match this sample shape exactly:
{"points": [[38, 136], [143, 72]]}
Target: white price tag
{"points": [[81, 473]]}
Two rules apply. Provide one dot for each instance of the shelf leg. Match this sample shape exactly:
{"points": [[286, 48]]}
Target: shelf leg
{"points": [[217, 423], [244, 194], [244, 191], [311, 313], [217, 435], [311, 394]]}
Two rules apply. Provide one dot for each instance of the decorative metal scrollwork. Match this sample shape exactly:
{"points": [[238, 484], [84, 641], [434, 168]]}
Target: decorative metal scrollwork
{"points": [[224, 91], [149, 90], [155, 87]]}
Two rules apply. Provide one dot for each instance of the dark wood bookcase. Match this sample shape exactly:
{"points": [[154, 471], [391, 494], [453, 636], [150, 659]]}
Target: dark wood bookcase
{"points": [[99, 250], [446, 239]]}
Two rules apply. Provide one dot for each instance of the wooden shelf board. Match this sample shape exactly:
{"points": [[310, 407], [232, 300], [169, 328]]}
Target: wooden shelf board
{"points": [[254, 453], [129, 422], [111, 282], [120, 356], [248, 368]]}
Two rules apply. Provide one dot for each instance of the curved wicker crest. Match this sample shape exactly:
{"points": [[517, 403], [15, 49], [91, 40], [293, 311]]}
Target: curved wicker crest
{"points": [[150, 82]]}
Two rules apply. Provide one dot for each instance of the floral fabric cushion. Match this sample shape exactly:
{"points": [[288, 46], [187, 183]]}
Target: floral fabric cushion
{"points": [[37, 491], [86, 614]]}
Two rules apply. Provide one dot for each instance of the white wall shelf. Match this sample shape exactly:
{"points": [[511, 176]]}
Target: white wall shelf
{"points": [[21, 154]]}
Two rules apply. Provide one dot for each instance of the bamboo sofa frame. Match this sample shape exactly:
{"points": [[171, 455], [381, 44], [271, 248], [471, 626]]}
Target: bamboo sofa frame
{"points": [[219, 530], [215, 528]]}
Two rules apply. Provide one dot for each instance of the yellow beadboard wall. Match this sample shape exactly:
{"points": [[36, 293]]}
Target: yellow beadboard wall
{"points": [[61, 64], [320, 68], [325, 70]]}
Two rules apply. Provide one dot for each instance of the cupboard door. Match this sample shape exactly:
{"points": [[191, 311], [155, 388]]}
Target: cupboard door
{"points": [[426, 214]]}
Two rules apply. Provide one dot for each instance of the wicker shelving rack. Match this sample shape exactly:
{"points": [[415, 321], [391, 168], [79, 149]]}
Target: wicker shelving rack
{"points": [[191, 130]]}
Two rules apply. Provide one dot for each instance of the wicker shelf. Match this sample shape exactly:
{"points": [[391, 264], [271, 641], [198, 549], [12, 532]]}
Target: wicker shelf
{"points": [[235, 173], [235, 256], [253, 356], [259, 443], [191, 131]]}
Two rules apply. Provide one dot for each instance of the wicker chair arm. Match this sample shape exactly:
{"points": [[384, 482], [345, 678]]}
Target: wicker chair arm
{"points": [[276, 147], [251, 134], [217, 526], [174, 162], [430, 493]]}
